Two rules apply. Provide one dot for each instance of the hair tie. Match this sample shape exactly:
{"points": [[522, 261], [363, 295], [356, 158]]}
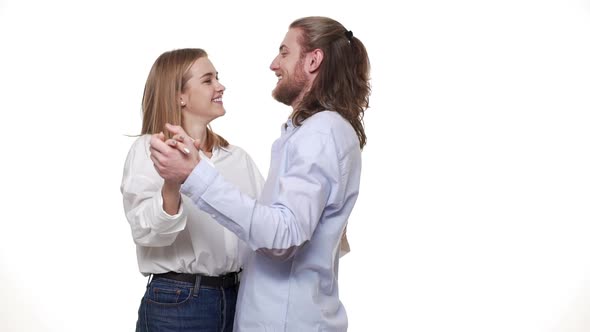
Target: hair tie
{"points": [[348, 35]]}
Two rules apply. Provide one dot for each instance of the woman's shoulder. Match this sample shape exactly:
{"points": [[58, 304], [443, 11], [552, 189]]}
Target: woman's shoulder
{"points": [[236, 153], [142, 141], [141, 145], [234, 150]]}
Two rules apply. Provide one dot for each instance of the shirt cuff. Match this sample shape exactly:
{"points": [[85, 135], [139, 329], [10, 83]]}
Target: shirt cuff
{"points": [[199, 180], [165, 214], [166, 223]]}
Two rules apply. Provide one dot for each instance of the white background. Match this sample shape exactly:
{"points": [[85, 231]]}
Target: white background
{"points": [[474, 206]]}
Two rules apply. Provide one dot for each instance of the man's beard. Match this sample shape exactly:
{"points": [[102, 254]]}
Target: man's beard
{"points": [[291, 87]]}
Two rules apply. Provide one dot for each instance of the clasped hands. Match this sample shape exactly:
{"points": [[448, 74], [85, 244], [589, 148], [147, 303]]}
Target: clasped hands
{"points": [[174, 158]]}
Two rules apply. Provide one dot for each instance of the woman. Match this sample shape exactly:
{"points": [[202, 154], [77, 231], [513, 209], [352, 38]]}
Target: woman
{"points": [[193, 261]]}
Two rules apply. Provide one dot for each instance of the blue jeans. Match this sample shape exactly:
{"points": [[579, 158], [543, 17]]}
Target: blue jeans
{"points": [[170, 305]]}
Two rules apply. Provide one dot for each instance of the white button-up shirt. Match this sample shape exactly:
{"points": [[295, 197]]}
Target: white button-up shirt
{"points": [[291, 282], [190, 241]]}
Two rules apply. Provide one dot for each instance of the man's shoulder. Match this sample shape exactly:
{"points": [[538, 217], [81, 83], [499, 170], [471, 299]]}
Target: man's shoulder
{"points": [[324, 118], [328, 122], [326, 128]]}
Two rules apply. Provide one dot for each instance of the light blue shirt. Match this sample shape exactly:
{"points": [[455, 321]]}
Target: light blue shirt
{"points": [[290, 282]]}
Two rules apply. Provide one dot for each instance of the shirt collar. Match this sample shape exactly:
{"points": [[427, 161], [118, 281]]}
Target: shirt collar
{"points": [[287, 126], [220, 149]]}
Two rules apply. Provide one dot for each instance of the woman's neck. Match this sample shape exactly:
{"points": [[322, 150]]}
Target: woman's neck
{"points": [[197, 131]]}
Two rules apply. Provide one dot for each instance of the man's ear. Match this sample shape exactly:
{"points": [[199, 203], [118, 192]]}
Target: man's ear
{"points": [[315, 59]]}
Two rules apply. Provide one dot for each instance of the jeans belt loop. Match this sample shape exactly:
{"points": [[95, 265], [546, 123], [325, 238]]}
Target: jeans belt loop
{"points": [[197, 286]]}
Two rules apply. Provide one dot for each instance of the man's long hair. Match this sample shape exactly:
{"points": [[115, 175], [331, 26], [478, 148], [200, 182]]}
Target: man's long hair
{"points": [[342, 84], [166, 80]]}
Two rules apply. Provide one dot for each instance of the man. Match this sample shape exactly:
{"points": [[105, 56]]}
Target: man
{"points": [[291, 281]]}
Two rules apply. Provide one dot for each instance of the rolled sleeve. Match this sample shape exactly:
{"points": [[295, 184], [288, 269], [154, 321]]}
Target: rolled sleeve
{"points": [[166, 223], [141, 187]]}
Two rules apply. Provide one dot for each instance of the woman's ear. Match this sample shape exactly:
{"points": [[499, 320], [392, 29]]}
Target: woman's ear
{"points": [[181, 98]]}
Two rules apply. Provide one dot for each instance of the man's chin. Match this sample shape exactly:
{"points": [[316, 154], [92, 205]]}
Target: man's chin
{"points": [[282, 101], [278, 98]]}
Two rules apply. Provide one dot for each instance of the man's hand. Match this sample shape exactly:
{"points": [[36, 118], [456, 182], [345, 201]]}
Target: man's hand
{"points": [[174, 161], [181, 140]]}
